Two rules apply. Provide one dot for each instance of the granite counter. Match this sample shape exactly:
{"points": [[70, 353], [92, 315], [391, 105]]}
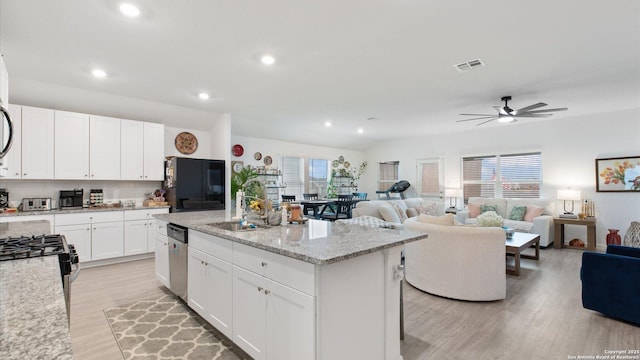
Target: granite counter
{"points": [[317, 242], [75, 211], [32, 308]]}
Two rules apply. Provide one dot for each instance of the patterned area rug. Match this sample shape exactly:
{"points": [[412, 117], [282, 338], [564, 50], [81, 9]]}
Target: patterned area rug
{"points": [[165, 328]]}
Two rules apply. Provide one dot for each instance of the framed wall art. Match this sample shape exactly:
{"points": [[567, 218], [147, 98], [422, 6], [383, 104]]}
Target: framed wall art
{"points": [[620, 174]]}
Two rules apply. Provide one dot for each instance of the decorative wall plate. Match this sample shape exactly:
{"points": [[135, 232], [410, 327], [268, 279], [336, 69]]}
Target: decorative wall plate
{"points": [[340, 159], [257, 155], [268, 160], [335, 163], [237, 150], [346, 164], [186, 143], [236, 166]]}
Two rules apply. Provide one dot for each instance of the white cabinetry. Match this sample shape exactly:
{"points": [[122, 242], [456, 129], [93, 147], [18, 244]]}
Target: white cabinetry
{"points": [[104, 148], [13, 160], [37, 143], [162, 253], [142, 154], [272, 318], [71, 145], [4, 83], [107, 235], [210, 281], [80, 237], [139, 230]]}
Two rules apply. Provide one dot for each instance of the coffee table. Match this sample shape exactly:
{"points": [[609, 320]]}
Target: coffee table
{"points": [[521, 241]]}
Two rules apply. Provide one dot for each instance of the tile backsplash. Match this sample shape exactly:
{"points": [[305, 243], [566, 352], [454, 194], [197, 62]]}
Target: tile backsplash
{"points": [[113, 190]]}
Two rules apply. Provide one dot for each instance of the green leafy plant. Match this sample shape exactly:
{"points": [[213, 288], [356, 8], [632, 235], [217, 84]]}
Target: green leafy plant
{"points": [[239, 179]]}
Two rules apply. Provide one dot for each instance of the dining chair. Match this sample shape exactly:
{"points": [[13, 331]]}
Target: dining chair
{"points": [[360, 195], [288, 198], [343, 209], [306, 208]]}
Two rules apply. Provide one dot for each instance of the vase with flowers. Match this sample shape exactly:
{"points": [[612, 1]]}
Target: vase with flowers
{"points": [[490, 218]]}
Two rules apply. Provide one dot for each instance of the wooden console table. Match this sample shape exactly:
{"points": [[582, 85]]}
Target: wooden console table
{"points": [[558, 226]]}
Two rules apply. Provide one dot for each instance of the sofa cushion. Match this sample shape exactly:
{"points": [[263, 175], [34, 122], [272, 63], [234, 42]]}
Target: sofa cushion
{"points": [[474, 210], [428, 208], [517, 213], [499, 202], [532, 211], [365, 221], [447, 219], [389, 214], [485, 208], [412, 212], [547, 204], [402, 213], [520, 226]]}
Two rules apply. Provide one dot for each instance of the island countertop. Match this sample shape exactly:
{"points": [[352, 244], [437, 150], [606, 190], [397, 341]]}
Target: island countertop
{"points": [[32, 308], [317, 242]]}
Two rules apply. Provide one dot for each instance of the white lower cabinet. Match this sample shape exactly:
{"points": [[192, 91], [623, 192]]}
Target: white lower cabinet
{"points": [[80, 237], [210, 289], [162, 253], [135, 236], [107, 240]]}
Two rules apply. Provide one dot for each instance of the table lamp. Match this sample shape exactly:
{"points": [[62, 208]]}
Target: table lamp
{"points": [[568, 196], [453, 195]]}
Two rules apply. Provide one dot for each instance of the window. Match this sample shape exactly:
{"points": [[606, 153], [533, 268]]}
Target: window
{"points": [[387, 174], [505, 176], [430, 177], [292, 175], [318, 176]]}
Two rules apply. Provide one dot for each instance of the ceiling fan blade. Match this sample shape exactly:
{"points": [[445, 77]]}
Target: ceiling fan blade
{"points": [[484, 122], [547, 110], [478, 114], [501, 110], [530, 115], [530, 107], [479, 118]]}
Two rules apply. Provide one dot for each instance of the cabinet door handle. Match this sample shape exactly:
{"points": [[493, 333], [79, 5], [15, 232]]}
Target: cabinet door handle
{"points": [[259, 289], [25, 174], [140, 176], [264, 263], [18, 174], [267, 292], [86, 175], [88, 229]]}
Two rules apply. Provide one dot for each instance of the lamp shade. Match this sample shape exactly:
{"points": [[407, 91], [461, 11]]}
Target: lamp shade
{"points": [[452, 193], [568, 194]]}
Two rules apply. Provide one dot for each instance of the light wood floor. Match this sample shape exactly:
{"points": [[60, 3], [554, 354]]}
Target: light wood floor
{"points": [[542, 317]]}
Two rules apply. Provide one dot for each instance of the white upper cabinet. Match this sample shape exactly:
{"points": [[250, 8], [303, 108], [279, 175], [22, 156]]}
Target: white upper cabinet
{"points": [[4, 84], [71, 146], [37, 143], [132, 150], [142, 151], [153, 151], [104, 148], [14, 156]]}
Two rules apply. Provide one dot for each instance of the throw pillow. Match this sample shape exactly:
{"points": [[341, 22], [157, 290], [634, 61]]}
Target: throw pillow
{"points": [[485, 208], [474, 210], [389, 214], [427, 207], [401, 214], [532, 211], [446, 219], [412, 212], [517, 213]]}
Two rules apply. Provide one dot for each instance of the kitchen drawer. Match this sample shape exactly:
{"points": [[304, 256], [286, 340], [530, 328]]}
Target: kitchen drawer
{"points": [[212, 245], [89, 217], [288, 271], [143, 214], [160, 227]]}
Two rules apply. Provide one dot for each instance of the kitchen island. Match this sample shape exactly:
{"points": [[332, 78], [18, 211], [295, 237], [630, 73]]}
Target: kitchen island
{"points": [[317, 290], [32, 308]]}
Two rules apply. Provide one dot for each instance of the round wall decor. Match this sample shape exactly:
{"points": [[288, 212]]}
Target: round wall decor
{"points": [[257, 156], [186, 143], [237, 150]]}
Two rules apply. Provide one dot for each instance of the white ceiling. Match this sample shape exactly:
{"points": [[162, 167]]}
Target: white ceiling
{"points": [[338, 60]]}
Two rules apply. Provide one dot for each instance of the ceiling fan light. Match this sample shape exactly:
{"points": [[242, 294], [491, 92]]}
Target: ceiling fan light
{"points": [[506, 119]]}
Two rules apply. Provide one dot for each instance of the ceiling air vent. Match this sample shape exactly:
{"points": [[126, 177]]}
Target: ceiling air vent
{"points": [[469, 65]]}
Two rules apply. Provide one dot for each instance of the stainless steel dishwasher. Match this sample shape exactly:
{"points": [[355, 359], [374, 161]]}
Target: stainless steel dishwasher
{"points": [[178, 249]]}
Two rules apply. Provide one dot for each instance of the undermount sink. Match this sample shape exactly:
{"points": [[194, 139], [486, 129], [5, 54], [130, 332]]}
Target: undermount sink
{"points": [[235, 226]]}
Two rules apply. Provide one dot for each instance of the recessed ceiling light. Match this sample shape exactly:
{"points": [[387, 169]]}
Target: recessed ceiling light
{"points": [[267, 59], [327, 124], [99, 73], [203, 96], [129, 10], [360, 130]]}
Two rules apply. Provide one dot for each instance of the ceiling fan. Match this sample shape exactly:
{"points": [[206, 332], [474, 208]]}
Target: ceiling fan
{"points": [[506, 114]]}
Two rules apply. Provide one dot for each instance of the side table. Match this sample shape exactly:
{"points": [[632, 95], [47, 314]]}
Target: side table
{"points": [[558, 226]]}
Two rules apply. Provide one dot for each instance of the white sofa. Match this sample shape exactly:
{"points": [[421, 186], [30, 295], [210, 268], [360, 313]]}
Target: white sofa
{"points": [[459, 262], [542, 224], [384, 209]]}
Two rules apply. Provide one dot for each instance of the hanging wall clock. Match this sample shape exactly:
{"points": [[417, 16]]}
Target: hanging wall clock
{"points": [[186, 143]]}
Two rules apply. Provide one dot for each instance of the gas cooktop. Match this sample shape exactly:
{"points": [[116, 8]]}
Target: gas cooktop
{"points": [[23, 247]]}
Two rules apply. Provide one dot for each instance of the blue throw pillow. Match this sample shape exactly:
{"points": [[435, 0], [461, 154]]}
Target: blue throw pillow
{"points": [[485, 208], [517, 213]]}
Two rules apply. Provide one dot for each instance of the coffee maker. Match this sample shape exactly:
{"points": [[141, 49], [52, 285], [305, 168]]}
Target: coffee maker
{"points": [[71, 198]]}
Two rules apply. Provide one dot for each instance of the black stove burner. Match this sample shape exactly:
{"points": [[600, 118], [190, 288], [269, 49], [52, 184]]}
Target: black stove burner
{"points": [[23, 247]]}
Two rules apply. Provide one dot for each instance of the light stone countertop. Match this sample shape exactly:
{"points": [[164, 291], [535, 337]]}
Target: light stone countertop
{"points": [[317, 242], [32, 308], [72, 211]]}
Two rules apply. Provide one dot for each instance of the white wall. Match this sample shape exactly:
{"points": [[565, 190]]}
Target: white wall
{"points": [[204, 143], [569, 148]]}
